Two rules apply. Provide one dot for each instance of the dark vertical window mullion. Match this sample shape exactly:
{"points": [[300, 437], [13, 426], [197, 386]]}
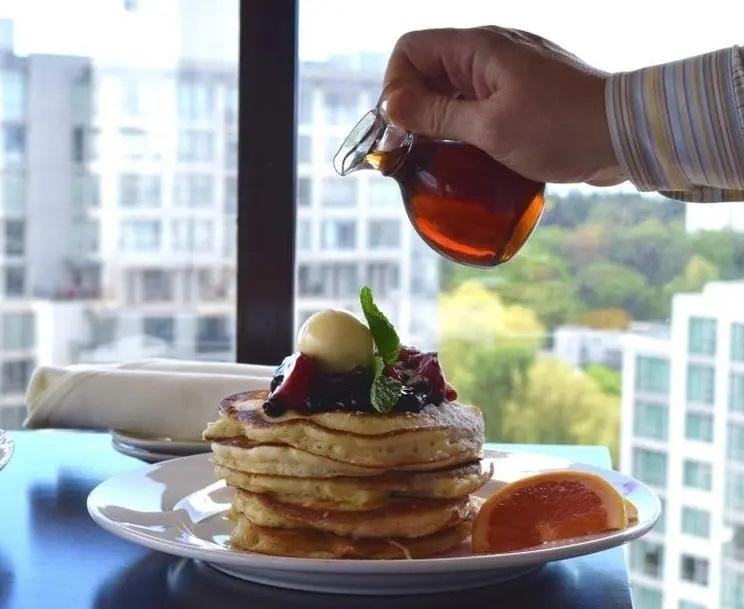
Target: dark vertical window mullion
{"points": [[266, 180]]}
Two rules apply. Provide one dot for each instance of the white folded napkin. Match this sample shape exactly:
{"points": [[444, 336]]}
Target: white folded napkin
{"points": [[154, 397]]}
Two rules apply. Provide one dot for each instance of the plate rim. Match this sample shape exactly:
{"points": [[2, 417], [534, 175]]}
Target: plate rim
{"points": [[539, 555], [158, 444]]}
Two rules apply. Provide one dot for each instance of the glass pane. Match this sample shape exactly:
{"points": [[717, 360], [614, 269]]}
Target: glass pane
{"points": [[117, 185], [697, 474], [699, 426], [695, 522], [652, 375], [736, 392], [700, 384], [650, 466], [702, 338], [735, 449], [650, 420], [737, 342]]}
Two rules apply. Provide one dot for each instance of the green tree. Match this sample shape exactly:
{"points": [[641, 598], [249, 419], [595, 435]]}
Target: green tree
{"points": [[608, 380], [697, 273], [560, 405], [602, 285]]}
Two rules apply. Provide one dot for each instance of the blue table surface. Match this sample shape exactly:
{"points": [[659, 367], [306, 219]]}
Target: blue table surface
{"points": [[53, 555]]}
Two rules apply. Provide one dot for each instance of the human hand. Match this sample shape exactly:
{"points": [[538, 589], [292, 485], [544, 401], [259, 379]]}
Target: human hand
{"points": [[528, 103]]}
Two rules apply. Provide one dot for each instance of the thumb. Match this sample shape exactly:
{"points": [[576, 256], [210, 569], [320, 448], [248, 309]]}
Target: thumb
{"points": [[417, 108]]}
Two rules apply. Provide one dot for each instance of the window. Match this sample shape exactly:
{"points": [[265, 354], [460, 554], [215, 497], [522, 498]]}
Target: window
{"points": [[383, 192], [735, 491], [304, 236], [304, 192], [231, 152], [305, 95], [15, 281], [699, 427], [695, 570], [13, 100], [337, 192], [702, 339], [650, 420], [18, 331], [737, 342], [231, 195], [383, 234], [12, 194], [13, 144], [342, 107], [649, 466], [162, 328], [213, 334], [652, 375], [140, 235], [195, 100], [15, 231], [193, 190], [157, 286], [338, 234], [328, 280], [383, 278], [15, 375], [690, 605], [646, 598], [735, 449], [736, 392], [304, 148], [193, 236], [139, 191], [732, 589], [85, 235], [214, 286], [86, 191], [695, 522], [700, 384], [195, 146], [647, 558], [697, 475], [134, 144]]}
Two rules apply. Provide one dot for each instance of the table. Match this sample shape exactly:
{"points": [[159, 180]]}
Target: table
{"points": [[53, 555]]}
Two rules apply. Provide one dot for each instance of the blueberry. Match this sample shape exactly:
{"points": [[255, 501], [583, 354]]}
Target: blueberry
{"points": [[273, 408]]}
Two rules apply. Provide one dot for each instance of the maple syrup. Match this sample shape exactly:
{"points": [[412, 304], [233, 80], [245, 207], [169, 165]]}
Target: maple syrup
{"points": [[464, 204]]}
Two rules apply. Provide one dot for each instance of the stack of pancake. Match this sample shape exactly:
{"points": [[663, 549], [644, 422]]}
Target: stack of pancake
{"points": [[346, 484]]}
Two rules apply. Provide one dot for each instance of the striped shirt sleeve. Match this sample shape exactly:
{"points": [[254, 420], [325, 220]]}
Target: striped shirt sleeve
{"points": [[678, 128]]}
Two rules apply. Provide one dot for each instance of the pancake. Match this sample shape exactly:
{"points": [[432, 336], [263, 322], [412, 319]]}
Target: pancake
{"points": [[397, 518], [314, 544], [360, 493], [436, 437]]}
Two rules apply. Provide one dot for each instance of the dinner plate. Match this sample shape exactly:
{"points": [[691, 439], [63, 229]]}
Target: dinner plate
{"points": [[160, 444], [6, 449], [143, 454], [179, 508]]}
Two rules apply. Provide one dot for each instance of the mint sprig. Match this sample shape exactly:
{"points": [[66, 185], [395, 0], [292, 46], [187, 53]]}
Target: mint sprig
{"points": [[383, 333], [385, 391]]}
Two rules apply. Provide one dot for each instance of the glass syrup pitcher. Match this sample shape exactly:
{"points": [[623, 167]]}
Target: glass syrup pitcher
{"points": [[464, 204]]}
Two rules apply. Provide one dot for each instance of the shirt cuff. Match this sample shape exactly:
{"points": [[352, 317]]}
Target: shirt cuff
{"points": [[679, 127]]}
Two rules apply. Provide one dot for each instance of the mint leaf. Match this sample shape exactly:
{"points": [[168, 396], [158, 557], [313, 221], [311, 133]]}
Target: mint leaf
{"points": [[384, 334], [385, 394]]}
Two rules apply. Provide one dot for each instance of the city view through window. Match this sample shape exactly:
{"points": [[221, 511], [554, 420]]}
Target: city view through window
{"points": [[619, 323]]}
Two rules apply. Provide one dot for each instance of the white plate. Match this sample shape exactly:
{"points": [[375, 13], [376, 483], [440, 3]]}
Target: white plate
{"points": [[6, 449], [160, 444], [143, 454], [177, 507]]}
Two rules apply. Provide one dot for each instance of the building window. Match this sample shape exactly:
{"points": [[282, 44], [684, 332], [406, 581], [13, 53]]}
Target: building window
{"points": [[690, 605], [338, 192], [383, 234], [697, 475], [157, 286], [86, 191], [736, 392], [652, 375], [195, 146], [737, 342], [15, 281], [646, 598], [195, 100], [140, 236], [695, 522], [694, 569], [735, 491], [193, 236], [699, 427], [162, 328], [18, 331], [383, 278], [650, 420], [647, 558], [341, 107], [305, 95], [328, 280], [700, 384], [702, 336], [304, 236], [732, 589], [214, 284], [735, 450], [304, 148], [231, 152], [13, 98], [13, 148], [338, 234], [15, 233], [231, 195], [85, 235], [650, 466], [213, 334], [193, 190], [133, 144], [12, 194], [16, 375], [304, 192], [139, 191]]}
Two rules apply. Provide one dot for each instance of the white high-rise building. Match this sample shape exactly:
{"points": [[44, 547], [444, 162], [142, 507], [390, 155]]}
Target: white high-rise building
{"points": [[683, 434]]}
